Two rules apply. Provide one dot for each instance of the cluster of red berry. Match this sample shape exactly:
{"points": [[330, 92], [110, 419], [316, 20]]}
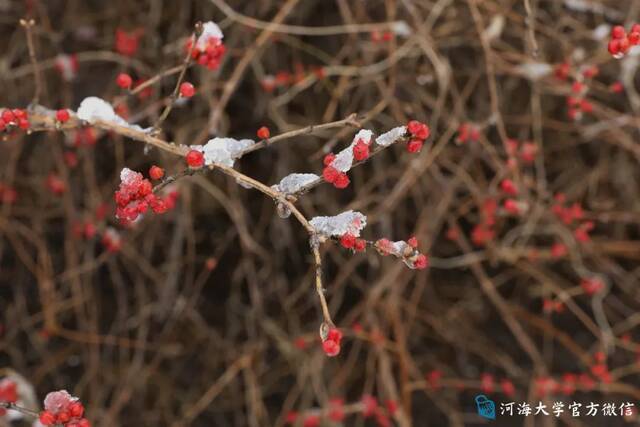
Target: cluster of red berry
{"points": [[331, 344], [468, 132], [408, 252], [135, 196], [16, 117], [484, 232], [525, 151], [208, 54], [577, 102], [621, 41], [332, 175], [419, 132], [62, 408], [8, 393], [349, 241], [570, 215]]}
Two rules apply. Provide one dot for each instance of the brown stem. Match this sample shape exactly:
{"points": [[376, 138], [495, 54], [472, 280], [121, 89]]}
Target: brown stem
{"points": [[28, 24]]}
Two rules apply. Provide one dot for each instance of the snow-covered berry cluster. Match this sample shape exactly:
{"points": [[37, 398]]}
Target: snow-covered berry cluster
{"points": [[405, 250], [332, 175], [14, 118], [60, 408], [209, 48], [135, 196], [331, 344], [621, 41]]}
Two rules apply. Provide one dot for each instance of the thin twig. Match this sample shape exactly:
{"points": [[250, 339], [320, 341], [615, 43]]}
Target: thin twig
{"points": [[13, 407], [176, 91], [28, 24]]}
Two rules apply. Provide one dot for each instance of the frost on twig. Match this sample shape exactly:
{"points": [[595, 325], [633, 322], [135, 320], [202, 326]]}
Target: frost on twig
{"points": [[391, 136], [294, 182], [349, 222], [223, 151], [93, 109], [344, 159]]}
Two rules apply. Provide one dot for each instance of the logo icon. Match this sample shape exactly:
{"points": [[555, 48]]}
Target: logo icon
{"points": [[486, 407]]}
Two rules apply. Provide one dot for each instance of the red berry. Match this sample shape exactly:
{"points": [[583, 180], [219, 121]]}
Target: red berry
{"points": [[618, 32], [614, 47], [360, 245], [328, 159], [3, 125], [511, 206], [330, 174], [331, 348], [76, 410], [8, 116], [418, 129], [578, 87], [20, 114], [334, 334], [509, 187], [360, 151], [156, 172], [187, 90], [84, 423], [421, 262], [413, 242], [24, 124], [62, 115], [195, 159], [47, 418], [348, 241], [414, 146], [634, 38], [341, 181], [63, 417], [263, 133], [124, 80]]}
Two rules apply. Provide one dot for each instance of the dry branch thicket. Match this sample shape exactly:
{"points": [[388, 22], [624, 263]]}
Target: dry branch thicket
{"points": [[208, 314]]}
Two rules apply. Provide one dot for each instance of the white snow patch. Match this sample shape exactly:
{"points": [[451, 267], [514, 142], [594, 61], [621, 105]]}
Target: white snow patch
{"points": [[351, 222], [93, 109], [344, 159], [128, 176], [365, 135], [209, 30], [292, 183], [223, 151], [391, 136]]}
